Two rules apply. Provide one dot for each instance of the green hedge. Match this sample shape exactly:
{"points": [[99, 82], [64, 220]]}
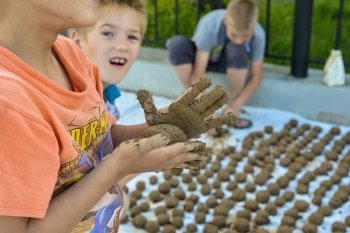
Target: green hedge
{"points": [[325, 15]]}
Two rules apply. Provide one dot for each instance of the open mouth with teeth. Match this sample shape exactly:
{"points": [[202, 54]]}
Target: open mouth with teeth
{"points": [[118, 61]]}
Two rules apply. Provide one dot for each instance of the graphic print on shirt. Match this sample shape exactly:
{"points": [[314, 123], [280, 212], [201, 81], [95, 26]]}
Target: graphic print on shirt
{"points": [[92, 142]]}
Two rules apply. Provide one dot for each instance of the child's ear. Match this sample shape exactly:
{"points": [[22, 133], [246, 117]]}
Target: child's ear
{"points": [[74, 35]]}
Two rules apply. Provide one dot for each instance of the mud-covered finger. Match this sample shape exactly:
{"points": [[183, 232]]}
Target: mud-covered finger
{"points": [[175, 133], [181, 159], [195, 145], [211, 110], [146, 102], [228, 119], [157, 141], [210, 100], [188, 97]]}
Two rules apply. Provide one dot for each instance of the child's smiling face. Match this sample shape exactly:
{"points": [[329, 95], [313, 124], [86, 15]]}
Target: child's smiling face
{"points": [[113, 42]]}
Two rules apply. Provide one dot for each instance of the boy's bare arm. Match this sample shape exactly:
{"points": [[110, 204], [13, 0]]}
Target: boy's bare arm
{"points": [[135, 156], [121, 133], [200, 65], [69, 207]]}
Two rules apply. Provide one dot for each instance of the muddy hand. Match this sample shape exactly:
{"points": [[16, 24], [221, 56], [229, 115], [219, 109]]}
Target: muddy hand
{"points": [[205, 155], [176, 135], [190, 114]]}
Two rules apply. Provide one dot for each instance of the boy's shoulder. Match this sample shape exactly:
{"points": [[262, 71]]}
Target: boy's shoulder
{"points": [[217, 14], [259, 31], [212, 21]]}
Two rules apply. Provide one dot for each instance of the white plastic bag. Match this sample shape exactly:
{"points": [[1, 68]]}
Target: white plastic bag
{"points": [[334, 71]]}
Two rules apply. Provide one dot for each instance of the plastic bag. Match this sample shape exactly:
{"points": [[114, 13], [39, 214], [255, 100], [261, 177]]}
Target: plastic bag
{"points": [[334, 71]]}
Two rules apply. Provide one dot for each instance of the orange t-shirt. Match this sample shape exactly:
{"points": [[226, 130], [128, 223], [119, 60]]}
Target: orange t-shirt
{"points": [[51, 137]]}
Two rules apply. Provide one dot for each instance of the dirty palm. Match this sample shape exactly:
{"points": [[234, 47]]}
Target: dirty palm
{"points": [[188, 116]]}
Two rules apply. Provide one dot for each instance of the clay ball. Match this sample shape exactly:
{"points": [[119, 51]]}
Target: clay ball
{"points": [[211, 202], [241, 177], [232, 185], [168, 228], [191, 186], [160, 210], [206, 189], [144, 207], [246, 214], [288, 221], [262, 196], [271, 208], [202, 179], [250, 187], [135, 210], [193, 198], [285, 229], [180, 194], [347, 221], [219, 194], [191, 227], [153, 180], [216, 184], [136, 194], [221, 210], [163, 219], [251, 205], [274, 189], [140, 185], [316, 218], [325, 210], [210, 228], [317, 200], [155, 196], [203, 208], [178, 213], [262, 217], [174, 182], [241, 225], [167, 175], [164, 188], [177, 222], [171, 202], [188, 206], [152, 226], [279, 201], [186, 178], [223, 175], [238, 195], [292, 212], [219, 221], [139, 221], [309, 228], [301, 206], [338, 226], [302, 189], [200, 217]]}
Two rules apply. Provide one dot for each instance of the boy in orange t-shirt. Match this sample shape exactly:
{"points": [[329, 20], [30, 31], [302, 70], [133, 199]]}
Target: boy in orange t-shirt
{"points": [[62, 154]]}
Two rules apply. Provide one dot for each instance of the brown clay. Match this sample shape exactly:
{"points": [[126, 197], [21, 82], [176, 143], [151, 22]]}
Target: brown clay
{"points": [[152, 226], [241, 225], [139, 221]]}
